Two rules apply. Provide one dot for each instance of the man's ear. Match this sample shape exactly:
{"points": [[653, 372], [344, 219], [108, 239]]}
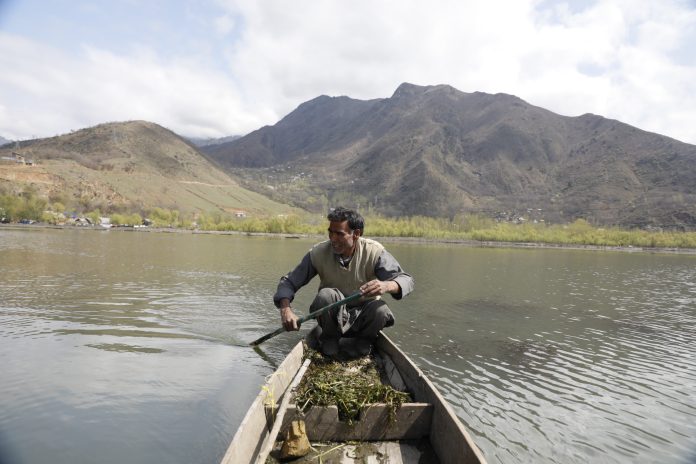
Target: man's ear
{"points": [[357, 232]]}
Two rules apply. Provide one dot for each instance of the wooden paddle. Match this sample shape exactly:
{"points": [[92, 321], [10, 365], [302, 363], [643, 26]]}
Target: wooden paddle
{"points": [[312, 315]]}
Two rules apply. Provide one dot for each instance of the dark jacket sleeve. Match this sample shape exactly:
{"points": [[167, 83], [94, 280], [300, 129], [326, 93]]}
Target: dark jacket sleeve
{"points": [[388, 268], [294, 280]]}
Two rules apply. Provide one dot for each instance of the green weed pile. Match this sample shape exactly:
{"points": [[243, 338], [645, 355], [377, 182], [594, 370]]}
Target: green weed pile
{"points": [[350, 385]]}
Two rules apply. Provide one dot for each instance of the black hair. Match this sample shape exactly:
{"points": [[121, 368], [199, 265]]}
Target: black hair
{"points": [[340, 214]]}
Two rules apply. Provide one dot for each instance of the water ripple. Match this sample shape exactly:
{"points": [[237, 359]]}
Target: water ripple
{"points": [[622, 378]]}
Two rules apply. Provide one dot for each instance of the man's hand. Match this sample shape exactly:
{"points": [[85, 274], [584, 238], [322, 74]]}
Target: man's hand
{"points": [[288, 319], [379, 287]]}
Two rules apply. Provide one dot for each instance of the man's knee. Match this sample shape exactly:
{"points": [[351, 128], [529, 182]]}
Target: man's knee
{"points": [[383, 314], [329, 294], [375, 316], [325, 297]]}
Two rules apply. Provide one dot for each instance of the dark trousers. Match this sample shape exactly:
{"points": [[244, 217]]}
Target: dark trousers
{"points": [[364, 320]]}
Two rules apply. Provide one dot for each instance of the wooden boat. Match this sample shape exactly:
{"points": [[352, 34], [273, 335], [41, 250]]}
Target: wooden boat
{"points": [[426, 430]]}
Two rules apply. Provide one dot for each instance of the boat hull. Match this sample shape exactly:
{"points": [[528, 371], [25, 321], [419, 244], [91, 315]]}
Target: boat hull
{"points": [[429, 418]]}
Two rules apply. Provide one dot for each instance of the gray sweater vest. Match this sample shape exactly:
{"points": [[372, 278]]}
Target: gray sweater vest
{"points": [[347, 280]]}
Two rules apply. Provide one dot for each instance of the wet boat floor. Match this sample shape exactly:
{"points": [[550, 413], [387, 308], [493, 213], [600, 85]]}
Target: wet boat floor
{"points": [[383, 452]]}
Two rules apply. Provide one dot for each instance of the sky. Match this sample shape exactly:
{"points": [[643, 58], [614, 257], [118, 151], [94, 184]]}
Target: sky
{"points": [[213, 68]]}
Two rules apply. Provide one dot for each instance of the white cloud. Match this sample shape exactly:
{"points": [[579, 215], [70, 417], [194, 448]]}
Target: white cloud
{"points": [[60, 92], [630, 60], [609, 57], [636, 79]]}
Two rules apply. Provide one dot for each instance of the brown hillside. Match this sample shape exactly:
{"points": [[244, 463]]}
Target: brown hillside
{"points": [[128, 166]]}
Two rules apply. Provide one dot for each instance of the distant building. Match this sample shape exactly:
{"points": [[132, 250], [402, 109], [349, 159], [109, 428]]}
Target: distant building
{"points": [[16, 158]]}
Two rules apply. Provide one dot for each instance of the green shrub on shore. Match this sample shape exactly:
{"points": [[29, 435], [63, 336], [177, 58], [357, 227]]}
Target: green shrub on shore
{"points": [[461, 227], [28, 206], [472, 227], [290, 224], [126, 219], [582, 233]]}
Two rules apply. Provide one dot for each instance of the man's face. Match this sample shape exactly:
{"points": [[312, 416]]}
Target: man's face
{"points": [[342, 238]]}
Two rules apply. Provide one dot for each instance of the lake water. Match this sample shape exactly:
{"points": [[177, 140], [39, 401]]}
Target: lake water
{"points": [[127, 347]]}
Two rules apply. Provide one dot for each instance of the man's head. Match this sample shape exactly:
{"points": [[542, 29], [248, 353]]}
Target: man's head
{"points": [[345, 227]]}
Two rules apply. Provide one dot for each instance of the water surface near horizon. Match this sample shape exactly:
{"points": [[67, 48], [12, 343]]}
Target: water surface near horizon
{"points": [[132, 347]]}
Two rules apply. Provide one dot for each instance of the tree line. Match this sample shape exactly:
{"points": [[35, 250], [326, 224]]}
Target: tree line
{"points": [[30, 206]]}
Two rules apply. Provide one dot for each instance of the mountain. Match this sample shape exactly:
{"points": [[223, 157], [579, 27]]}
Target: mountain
{"points": [[3, 141], [127, 166], [437, 151], [199, 142]]}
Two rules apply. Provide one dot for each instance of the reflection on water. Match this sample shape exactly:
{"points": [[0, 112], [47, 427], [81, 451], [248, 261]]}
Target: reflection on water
{"points": [[122, 347], [133, 347]]}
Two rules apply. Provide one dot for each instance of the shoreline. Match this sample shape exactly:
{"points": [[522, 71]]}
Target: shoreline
{"points": [[460, 242]]}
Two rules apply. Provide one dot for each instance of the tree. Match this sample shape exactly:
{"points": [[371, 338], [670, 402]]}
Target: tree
{"points": [[9, 207], [58, 207], [33, 209]]}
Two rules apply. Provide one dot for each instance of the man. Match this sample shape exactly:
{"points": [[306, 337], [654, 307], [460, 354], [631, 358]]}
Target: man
{"points": [[346, 263]]}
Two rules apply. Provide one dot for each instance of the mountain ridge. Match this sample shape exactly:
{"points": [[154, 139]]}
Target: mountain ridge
{"points": [[425, 150], [437, 151]]}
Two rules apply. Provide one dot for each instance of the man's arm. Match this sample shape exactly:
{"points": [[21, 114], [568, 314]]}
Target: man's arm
{"points": [[287, 287], [390, 278]]}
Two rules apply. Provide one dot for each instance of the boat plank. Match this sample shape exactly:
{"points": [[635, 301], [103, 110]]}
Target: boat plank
{"points": [[392, 452], [278, 421], [250, 435], [412, 422]]}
